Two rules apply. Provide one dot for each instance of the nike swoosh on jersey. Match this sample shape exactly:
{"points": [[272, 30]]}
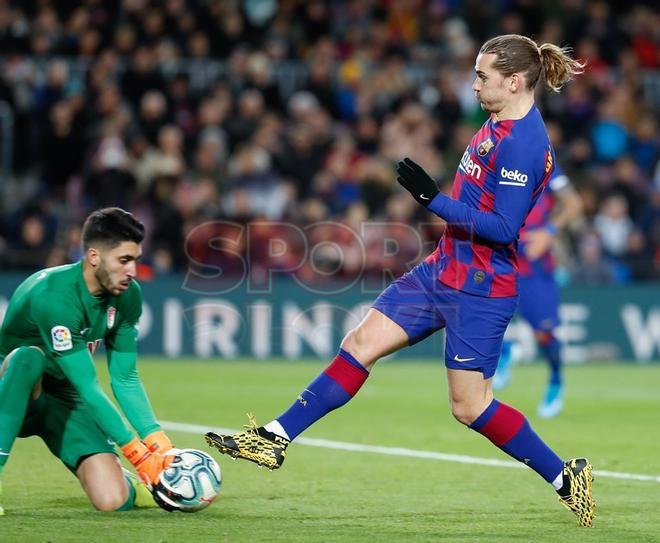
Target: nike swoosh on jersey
{"points": [[423, 197], [459, 359]]}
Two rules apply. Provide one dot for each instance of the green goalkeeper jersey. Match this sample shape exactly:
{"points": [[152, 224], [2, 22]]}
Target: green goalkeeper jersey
{"points": [[54, 310]]}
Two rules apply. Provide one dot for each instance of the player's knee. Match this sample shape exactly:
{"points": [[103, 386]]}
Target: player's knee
{"points": [[465, 412], [354, 342], [27, 361], [357, 345], [110, 499]]}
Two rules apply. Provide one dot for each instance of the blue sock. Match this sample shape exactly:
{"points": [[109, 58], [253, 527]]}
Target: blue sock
{"points": [[334, 387], [552, 350], [508, 428]]}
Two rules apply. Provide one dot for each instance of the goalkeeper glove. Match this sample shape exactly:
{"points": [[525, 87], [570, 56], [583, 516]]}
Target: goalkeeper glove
{"points": [[416, 181], [158, 442], [148, 465]]}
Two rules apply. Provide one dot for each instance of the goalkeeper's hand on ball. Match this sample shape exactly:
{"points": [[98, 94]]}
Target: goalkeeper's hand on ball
{"points": [[158, 442], [148, 465]]}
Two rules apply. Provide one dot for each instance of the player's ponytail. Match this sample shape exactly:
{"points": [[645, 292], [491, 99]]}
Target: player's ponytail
{"points": [[558, 66], [520, 54]]}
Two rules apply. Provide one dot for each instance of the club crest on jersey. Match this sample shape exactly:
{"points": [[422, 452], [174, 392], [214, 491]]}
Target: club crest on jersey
{"points": [[61, 337], [485, 146], [112, 312]]}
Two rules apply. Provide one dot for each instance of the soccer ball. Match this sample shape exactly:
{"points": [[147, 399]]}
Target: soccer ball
{"points": [[190, 483]]}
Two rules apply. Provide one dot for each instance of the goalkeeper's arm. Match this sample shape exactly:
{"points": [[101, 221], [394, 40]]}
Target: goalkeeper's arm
{"points": [[132, 398], [129, 391], [79, 368]]}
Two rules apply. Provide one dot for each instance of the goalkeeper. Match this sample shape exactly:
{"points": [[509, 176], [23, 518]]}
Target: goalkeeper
{"points": [[55, 321]]}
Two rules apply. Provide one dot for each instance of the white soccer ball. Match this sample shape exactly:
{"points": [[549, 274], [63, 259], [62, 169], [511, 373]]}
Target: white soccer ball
{"points": [[190, 483]]}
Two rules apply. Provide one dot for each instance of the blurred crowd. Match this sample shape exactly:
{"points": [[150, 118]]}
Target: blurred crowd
{"points": [[265, 132]]}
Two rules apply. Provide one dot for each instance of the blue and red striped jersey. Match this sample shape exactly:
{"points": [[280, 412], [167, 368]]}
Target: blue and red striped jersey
{"points": [[500, 177], [539, 217]]}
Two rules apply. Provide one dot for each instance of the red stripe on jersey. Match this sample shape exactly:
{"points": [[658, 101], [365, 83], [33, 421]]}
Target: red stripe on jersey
{"points": [[487, 201], [514, 258], [482, 134], [525, 265], [346, 374], [458, 233], [448, 243], [455, 274], [481, 255], [433, 257], [457, 186], [500, 131], [504, 285], [505, 423]]}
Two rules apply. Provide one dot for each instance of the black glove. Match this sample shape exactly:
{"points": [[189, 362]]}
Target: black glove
{"points": [[416, 181]]}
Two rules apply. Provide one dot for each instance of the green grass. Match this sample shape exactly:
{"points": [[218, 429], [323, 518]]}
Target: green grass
{"points": [[324, 495]]}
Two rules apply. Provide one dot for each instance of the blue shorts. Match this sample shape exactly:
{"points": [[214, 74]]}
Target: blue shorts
{"points": [[475, 325], [539, 302]]}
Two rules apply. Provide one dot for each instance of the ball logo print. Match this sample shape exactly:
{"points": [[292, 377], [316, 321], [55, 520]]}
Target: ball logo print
{"points": [[190, 483]]}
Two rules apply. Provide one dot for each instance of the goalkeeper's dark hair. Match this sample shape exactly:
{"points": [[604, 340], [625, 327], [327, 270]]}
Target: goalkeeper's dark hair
{"points": [[516, 53], [111, 226]]}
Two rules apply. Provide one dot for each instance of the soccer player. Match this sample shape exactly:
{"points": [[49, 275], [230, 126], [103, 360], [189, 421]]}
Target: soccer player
{"points": [[55, 321], [539, 292], [468, 286]]}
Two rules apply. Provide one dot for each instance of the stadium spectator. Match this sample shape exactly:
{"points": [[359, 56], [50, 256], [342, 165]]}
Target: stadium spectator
{"points": [[294, 80]]}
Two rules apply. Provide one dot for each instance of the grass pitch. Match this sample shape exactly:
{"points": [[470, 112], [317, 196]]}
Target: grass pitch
{"points": [[325, 495]]}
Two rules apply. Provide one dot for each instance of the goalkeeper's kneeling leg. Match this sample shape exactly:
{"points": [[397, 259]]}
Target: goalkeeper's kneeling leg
{"points": [[108, 485]]}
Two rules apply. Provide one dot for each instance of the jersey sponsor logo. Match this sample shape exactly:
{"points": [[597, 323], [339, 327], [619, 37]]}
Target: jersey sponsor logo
{"points": [[112, 313], [513, 177], [459, 359], [485, 146], [469, 166], [61, 337]]}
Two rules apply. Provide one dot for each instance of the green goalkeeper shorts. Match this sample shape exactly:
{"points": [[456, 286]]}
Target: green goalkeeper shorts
{"points": [[67, 428]]}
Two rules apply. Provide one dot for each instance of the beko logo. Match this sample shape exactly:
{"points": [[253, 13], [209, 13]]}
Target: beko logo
{"points": [[514, 177]]}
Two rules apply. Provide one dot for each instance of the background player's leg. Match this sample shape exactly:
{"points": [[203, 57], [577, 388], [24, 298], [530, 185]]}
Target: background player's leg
{"points": [[539, 306], [503, 373], [552, 401], [473, 404], [376, 336], [20, 378], [104, 483]]}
